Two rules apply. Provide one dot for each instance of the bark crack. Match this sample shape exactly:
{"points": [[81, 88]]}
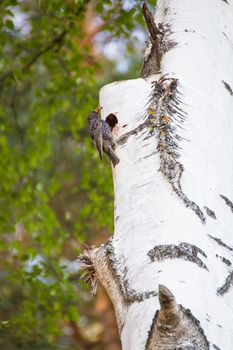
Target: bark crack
{"points": [[165, 117], [122, 139], [183, 251]]}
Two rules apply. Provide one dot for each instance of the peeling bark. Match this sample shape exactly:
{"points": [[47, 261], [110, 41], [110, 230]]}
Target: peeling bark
{"points": [[89, 274], [105, 276], [103, 265]]}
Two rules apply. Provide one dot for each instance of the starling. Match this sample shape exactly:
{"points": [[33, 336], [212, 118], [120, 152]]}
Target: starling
{"points": [[100, 131]]}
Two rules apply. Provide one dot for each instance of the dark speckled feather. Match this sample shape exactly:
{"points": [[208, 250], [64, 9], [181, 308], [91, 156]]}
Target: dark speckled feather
{"points": [[95, 127]]}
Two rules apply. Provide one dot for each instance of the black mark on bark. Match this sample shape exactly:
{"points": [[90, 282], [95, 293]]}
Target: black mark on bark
{"points": [[183, 251], [210, 213], [190, 204], [224, 260], [227, 86], [220, 242], [122, 139], [189, 31], [129, 295], [215, 346], [150, 155], [166, 43], [227, 201], [227, 284], [226, 1]]}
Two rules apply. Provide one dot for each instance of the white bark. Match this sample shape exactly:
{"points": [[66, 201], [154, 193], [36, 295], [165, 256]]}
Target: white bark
{"points": [[150, 207]]}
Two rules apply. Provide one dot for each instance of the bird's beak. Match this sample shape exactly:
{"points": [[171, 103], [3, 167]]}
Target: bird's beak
{"points": [[98, 109]]}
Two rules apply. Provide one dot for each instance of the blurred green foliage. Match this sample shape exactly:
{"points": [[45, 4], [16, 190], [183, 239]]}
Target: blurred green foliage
{"points": [[54, 192]]}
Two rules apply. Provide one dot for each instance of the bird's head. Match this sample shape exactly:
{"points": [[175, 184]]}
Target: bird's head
{"points": [[94, 114], [98, 109]]}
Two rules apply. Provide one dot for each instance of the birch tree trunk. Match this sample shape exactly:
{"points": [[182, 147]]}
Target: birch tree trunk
{"points": [[168, 268]]}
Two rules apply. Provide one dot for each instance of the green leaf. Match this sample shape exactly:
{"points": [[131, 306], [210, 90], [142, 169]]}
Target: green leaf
{"points": [[9, 24]]}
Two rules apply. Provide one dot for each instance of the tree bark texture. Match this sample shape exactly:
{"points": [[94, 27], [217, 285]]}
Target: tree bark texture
{"points": [[168, 268]]}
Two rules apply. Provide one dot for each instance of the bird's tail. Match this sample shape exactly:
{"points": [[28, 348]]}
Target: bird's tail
{"points": [[112, 155]]}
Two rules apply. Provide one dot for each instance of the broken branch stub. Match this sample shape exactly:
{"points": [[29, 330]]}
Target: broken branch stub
{"points": [[174, 327]]}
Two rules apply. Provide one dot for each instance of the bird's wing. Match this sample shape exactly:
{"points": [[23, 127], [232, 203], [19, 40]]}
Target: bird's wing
{"points": [[99, 137]]}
